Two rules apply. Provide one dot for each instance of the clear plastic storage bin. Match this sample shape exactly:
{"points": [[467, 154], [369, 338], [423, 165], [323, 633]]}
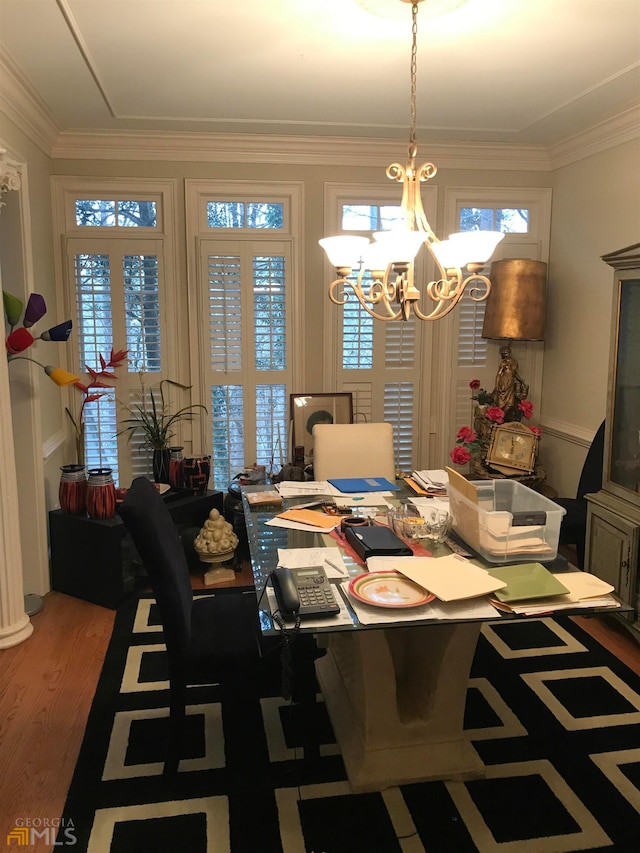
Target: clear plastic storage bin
{"points": [[510, 523]]}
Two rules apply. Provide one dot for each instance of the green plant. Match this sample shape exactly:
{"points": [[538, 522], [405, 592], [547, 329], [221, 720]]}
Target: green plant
{"points": [[153, 421]]}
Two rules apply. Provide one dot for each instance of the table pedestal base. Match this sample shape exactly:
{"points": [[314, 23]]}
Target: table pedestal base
{"points": [[396, 700]]}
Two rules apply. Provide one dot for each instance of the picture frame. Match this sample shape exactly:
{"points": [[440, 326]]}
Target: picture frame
{"points": [[513, 448], [308, 409]]}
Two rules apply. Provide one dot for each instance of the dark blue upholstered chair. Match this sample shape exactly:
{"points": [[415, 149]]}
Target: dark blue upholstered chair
{"points": [[212, 638]]}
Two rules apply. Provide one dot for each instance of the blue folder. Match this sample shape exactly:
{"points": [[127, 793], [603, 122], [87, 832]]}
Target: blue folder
{"points": [[364, 484]]}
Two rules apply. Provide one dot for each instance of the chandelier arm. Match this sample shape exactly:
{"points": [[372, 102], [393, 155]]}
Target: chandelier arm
{"points": [[362, 298], [483, 294], [441, 310]]}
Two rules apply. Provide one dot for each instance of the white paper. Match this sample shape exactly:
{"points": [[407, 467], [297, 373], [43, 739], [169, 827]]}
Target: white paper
{"points": [[368, 614], [560, 602], [361, 498], [329, 558], [342, 618], [427, 505], [435, 479], [296, 489]]}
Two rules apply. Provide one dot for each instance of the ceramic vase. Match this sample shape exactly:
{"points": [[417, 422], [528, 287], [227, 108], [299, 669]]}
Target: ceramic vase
{"points": [[196, 470], [176, 465], [72, 492], [101, 494]]}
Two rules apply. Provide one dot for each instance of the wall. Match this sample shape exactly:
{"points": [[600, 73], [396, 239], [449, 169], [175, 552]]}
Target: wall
{"points": [[26, 249], [596, 210]]}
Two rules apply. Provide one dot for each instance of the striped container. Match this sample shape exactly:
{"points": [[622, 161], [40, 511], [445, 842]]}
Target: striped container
{"points": [[101, 494]]}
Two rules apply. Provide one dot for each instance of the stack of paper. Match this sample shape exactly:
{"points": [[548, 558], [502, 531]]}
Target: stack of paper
{"points": [[450, 578], [433, 482], [582, 590]]}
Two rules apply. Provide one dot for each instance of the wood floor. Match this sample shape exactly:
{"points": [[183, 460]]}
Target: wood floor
{"points": [[47, 684]]}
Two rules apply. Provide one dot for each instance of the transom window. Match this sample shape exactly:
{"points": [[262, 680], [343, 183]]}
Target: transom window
{"points": [[104, 213], [241, 215]]}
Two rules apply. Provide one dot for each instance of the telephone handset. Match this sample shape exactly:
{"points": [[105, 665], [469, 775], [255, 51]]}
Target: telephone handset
{"points": [[305, 592]]}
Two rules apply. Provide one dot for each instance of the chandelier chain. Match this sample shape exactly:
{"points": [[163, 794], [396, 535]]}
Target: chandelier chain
{"points": [[414, 66]]}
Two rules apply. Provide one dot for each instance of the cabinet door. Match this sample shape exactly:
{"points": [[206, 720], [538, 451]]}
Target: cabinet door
{"points": [[611, 550]]}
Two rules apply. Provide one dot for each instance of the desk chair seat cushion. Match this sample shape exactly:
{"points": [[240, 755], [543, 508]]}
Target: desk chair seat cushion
{"points": [[353, 450]]}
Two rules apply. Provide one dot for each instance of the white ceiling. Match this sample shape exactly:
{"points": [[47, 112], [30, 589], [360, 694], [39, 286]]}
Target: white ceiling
{"points": [[515, 71]]}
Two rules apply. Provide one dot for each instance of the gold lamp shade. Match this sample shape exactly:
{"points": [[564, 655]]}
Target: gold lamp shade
{"points": [[516, 306]]}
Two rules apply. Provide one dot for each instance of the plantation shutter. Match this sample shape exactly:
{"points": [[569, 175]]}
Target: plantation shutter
{"points": [[246, 300], [117, 287]]}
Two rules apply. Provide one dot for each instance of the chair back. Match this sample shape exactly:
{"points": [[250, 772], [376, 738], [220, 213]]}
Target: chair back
{"points": [[591, 476], [160, 548], [353, 450]]}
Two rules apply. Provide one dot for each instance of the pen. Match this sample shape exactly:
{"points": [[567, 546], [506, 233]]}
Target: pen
{"points": [[335, 566]]}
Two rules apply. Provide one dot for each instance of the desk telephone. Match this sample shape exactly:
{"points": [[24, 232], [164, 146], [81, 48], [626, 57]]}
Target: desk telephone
{"points": [[306, 592]]}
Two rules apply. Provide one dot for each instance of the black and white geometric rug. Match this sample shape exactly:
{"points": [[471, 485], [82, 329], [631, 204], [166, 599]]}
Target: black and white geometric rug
{"points": [[554, 716]]}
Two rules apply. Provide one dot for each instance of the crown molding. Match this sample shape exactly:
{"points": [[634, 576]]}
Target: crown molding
{"points": [[617, 130], [287, 150], [20, 102], [24, 107]]}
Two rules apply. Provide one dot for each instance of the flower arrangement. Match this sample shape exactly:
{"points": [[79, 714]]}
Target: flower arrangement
{"points": [[472, 443], [90, 395]]}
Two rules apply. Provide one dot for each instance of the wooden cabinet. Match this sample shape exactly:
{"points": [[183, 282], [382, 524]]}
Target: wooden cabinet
{"points": [[613, 535], [613, 514]]}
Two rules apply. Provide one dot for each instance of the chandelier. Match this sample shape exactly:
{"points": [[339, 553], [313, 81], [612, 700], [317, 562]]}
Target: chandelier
{"points": [[385, 285]]}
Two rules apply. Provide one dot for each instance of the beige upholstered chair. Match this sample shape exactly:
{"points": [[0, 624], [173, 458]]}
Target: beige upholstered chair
{"points": [[353, 450]]}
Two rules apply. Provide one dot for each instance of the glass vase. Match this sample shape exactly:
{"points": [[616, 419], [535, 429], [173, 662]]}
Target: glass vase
{"points": [[72, 492], [101, 494]]}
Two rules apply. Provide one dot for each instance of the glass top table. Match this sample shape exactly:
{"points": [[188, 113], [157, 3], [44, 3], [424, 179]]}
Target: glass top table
{"points": [[395, 691], [264, 542]]}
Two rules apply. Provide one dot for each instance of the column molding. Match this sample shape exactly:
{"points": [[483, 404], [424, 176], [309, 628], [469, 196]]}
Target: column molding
{"points": [[15, 625]]}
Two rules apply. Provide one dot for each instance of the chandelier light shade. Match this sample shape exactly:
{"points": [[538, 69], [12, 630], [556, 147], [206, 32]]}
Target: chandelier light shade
{"points": [[516, 307], [384, 283]]}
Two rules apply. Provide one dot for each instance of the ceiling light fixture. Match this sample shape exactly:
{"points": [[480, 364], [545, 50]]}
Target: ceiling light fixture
{"points": [[388, 292]]}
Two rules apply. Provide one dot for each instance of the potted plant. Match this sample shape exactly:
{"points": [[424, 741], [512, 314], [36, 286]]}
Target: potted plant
{"points": [[155, 423]]}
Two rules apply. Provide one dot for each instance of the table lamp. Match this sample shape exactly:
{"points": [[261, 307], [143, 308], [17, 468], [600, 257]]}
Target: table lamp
{"points": [[515, 311]]}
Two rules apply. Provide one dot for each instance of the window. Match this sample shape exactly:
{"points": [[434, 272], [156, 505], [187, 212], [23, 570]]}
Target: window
{"points": [[116, 257], [378, 361], [416, 375], [247, 337], [523, 215]]}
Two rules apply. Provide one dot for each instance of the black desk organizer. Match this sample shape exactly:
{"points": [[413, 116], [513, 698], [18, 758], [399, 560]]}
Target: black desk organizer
{"points": [[95, 559]]}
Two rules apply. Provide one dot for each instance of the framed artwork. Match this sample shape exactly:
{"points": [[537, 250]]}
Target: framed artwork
{"points": [[310, 409]]}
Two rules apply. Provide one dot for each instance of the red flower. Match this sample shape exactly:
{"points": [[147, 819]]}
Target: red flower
{"points": [[466, 434], [526, 407], [535, 430], [495, 413], [474, 384], [460, 455]]}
